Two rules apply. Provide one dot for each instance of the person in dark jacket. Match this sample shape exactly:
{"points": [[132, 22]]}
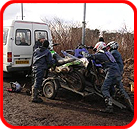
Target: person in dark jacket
{"points": [[38, 43], [113, 48], [42, 58], [111, 69]]}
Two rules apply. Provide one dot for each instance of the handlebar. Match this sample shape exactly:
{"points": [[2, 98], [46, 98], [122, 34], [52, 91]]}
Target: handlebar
{"points": [[56, 44], [84, 46], [69, 55], [69, 50]]}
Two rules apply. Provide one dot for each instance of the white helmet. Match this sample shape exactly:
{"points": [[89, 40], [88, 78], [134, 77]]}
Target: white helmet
{"points": [[113, 45], [99, 46]]}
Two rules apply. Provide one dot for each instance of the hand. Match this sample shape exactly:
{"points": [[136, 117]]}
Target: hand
{"points": [[86, 55]]}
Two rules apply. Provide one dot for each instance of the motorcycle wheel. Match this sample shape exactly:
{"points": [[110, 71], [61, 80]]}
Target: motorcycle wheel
{"points": [[77, 81], [49, 90]]}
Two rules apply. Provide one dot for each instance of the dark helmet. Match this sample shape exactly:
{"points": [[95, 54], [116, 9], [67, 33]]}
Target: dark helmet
{"points": [[101, 39], [45, 44]]}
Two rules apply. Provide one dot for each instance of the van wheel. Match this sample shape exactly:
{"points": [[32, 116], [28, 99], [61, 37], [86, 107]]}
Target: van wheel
{"points": [[49, 90]]}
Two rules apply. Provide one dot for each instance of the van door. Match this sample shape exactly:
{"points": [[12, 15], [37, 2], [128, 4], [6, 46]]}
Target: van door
{"points": [[23, 46], [40, 29], [5, 47]]}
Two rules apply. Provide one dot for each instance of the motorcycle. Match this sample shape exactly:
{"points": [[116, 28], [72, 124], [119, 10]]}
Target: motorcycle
{"points": [[64, 73], [93, 72]]}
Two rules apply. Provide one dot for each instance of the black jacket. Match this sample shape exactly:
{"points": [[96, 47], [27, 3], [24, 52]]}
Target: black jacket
{"points": [[118, 59], [42, 58], [108, 62]]}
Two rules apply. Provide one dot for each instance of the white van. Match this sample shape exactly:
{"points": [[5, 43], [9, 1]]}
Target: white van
{"points": [[18, 40]]}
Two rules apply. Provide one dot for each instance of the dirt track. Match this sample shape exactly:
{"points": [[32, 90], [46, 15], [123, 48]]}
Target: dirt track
{"points": [[68, 109]]}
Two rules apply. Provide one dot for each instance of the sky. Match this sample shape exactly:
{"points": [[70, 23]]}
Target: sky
{"points": [[98, 16]]}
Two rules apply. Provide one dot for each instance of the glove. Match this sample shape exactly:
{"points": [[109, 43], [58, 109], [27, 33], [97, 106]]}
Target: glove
{"points": [[85, 55]]}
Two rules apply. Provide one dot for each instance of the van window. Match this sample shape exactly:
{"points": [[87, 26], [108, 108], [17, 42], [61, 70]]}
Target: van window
{"points": [[23, 37], [38, 33], [5, 35]]}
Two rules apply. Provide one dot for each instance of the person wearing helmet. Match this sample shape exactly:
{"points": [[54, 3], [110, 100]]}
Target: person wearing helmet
{"points": [[111, 69], [38, 43], [101, 41], [112, 47], [42, 58]]}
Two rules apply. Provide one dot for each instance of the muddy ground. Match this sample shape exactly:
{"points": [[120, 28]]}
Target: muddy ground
{"points": [[68, 109]]}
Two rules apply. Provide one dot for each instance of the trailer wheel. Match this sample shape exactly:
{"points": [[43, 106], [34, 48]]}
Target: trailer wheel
{"points": [[49, 90]]}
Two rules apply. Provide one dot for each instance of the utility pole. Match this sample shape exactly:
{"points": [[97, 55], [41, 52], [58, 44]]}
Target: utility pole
{"points": [[22, 10], [84, 25]]}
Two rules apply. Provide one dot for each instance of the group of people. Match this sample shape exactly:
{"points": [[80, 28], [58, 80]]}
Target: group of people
{"points": [[112, 63], [107, 55]]}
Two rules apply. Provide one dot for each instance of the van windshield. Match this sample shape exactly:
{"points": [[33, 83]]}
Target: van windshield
{"points": [[5, 35]]}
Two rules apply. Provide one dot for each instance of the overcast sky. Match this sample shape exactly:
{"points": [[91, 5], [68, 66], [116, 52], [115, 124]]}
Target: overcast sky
{"points": [[100, 16]]}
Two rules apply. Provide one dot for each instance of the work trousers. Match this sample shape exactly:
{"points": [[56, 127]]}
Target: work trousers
{"points": [[109, 82], [39, 74]]}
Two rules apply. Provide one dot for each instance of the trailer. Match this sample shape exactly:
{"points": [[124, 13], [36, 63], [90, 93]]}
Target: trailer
{"points": [[51, 86]]}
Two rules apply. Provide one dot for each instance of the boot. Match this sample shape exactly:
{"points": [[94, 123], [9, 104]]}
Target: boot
{"points": [[35, 98], [109, 107], [129, 104]]}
